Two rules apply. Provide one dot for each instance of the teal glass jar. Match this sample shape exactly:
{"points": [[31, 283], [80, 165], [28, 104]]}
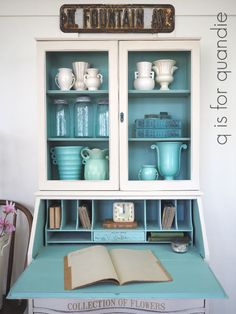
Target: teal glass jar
{"points": [[83, 117], [61, 121], [102, 123]]}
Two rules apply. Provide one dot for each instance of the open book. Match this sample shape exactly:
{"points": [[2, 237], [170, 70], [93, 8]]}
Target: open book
{"points": [[97, 264]]}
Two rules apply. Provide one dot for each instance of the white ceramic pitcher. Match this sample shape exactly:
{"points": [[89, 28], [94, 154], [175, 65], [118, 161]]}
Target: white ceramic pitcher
{"points": [[64, 79], [93, 79]]}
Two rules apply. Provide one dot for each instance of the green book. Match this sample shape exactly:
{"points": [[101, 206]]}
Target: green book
{"points": [[166, 234]]}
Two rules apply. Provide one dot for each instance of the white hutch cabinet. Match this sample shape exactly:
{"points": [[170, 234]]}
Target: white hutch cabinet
{"points": [[130, 147]]}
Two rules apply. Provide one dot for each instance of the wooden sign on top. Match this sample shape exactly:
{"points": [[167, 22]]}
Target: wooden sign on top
{"points": [[102, 18]]}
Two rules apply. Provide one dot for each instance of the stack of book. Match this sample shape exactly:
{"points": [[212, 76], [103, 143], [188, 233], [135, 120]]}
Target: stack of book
{"points": [[84, 217], [164, 236], [54, 217], [168, 215], [159, 126]]}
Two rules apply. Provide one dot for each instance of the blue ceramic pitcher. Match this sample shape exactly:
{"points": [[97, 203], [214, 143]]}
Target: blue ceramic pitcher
{"points": [[169, 158], [96, 164]]}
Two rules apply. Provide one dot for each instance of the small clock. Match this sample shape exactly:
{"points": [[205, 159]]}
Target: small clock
{"points": [[123, 211]]}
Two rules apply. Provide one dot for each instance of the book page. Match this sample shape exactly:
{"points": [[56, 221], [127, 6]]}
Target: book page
{"points": [[138, 265], [90, 265]]}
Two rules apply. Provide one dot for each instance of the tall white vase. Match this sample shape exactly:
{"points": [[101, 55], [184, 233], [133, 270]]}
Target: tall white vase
{"points": [[80, 68]]}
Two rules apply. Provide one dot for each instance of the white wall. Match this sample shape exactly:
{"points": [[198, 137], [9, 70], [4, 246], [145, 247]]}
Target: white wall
{"points": [[23, 21]]}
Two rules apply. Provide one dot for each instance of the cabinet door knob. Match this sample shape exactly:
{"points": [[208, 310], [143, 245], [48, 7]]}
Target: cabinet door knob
{"points": [[122, 117]]}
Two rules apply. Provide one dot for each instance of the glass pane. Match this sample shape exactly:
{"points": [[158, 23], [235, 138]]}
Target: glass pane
{"points": [[77, 115], [159, 113]]}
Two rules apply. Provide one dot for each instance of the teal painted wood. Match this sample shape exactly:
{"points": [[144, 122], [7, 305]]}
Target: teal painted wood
{"points": [[55, 60], [69, 237], [152, 215], [159, 93], [74, 93], [192, 277], [77, 140], [148, 214], [198, 236], [182, 58], [178, 108], [119, 236], [166, 139], [39, 232]]}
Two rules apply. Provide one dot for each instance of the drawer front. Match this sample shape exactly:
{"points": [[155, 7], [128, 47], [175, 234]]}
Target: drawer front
{"points": [[134, 306], [119, 236]]}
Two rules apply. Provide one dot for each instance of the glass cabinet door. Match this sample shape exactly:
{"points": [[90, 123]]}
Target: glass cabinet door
{"points": [[159, 95], [78, 95]]}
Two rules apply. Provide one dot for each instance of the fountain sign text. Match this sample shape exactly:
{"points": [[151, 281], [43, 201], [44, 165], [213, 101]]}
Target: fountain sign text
{"points": [[104, 18]]}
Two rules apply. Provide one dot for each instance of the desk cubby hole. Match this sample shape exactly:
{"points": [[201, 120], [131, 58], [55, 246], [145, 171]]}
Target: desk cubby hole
{"points": [[52, 203], [169, 203], [69, 214], [61, 237], [89, 205], [103, 209], [184, 215], [153, 215]]}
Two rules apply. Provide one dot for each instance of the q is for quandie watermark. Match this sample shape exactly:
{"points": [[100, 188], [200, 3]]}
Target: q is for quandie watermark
{"points": [[221, 106]]}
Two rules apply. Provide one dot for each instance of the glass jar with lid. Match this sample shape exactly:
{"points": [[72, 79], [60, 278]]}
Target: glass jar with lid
{"points": [[102, 123], [83, 117], [61, 121]]}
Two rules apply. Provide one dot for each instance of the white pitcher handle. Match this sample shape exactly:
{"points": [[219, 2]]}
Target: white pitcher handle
{"points": [[100, 77], [139, 174], [136, 75], [85, 77], [152, 74], [73, 80], [56, 81], [157, 175]]}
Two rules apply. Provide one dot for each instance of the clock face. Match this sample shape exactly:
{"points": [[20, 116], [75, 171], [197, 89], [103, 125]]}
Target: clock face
{"points": [[123, 211]]}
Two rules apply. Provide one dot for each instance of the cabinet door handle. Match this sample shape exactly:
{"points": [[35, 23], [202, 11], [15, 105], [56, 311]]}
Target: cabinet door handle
{"points": [[122, 117]]}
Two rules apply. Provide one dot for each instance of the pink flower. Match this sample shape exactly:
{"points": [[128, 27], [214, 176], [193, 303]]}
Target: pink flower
{"points": [[9, 228], [9, 208], [5, 226]]}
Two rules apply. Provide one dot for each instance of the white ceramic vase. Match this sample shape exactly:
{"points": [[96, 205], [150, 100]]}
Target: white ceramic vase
{"points": [[80, 68], [93, 79], [164, 69], [64, 79], [144, 77]]}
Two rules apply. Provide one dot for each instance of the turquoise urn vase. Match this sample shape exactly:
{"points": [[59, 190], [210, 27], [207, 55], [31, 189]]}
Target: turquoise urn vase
{"points": [[148, 172], [96, 164], [169, 158]]}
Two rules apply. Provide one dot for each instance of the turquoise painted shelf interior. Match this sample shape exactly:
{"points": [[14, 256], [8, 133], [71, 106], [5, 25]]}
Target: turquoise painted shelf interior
{"points": [[148, 215], [183, 62], [176, 101], [55, 60], [62, 59]]}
